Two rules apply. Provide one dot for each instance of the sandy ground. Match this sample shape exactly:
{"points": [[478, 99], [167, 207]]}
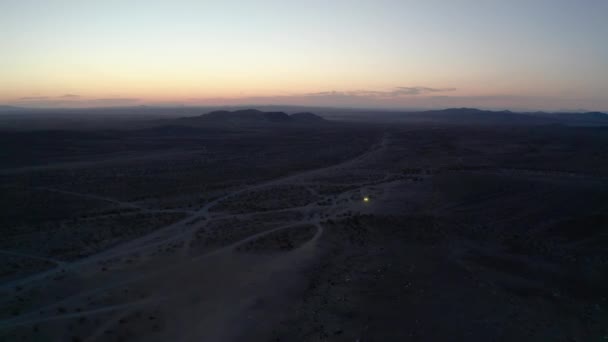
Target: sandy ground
{"points": [[332, 266], [164, 286]]}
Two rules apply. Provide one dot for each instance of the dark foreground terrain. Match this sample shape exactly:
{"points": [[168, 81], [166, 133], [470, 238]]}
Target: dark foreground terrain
{"points": [[304, 230]]}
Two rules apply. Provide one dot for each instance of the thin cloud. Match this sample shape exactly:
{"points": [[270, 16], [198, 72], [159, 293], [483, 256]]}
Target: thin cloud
{"points": [[34, 98], [50, 98], [114, 101], [74, 101], [420, 90], [396, 92], [408, 98]]}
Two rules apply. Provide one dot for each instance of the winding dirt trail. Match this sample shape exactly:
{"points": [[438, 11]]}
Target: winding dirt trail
{"points": [[203, 295]]}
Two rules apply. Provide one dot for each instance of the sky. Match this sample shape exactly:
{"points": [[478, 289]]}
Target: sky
{"points": [[516, 54]]}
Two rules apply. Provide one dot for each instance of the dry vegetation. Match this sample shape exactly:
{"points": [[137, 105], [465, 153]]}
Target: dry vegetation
{"points": [[469, 233]]}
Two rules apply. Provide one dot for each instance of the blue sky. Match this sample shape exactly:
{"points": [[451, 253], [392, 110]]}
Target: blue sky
{"points": [[500, 54]]}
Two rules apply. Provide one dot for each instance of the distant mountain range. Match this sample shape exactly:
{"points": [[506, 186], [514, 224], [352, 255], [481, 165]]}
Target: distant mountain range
{"points": [[471, 116], [587, 116], [254, 116], [464, 116], [273, 115]]}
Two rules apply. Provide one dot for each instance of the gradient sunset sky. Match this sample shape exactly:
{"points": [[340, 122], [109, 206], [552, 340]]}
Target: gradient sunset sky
{"points": [[508, 54]]}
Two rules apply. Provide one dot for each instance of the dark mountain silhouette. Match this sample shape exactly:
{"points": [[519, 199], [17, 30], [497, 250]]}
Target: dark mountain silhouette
{"points": [[473, 116], [306, 117], [588, 118], [246, 115], [252, 117]]}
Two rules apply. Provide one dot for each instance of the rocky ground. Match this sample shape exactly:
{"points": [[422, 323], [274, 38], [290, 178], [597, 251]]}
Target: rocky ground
{"points": [[426, 234]]}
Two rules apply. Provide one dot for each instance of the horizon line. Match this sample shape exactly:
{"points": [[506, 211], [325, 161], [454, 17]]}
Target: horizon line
{"points": [[9, 107]]}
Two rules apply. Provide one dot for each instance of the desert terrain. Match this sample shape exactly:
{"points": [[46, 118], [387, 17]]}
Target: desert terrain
{"points": [[291, 229]]}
